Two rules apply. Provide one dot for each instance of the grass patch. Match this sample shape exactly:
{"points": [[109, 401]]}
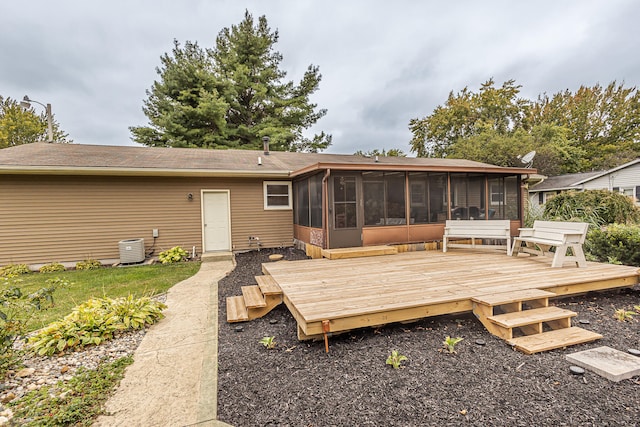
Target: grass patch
{"points": [[112, 282], [76, 403]]}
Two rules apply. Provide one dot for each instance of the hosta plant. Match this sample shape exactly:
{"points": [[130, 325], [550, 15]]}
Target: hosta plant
{"points": [[396, 359], [94, 322], [88, 264], [14, 270], [52, 267], [175, 254]]}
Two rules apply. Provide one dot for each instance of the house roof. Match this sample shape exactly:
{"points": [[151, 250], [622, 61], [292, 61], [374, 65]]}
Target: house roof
{"points": [[575, 180], [563, 182], [607, 172], [81, 159]]}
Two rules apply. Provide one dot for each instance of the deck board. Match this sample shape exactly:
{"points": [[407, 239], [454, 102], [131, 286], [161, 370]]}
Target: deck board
{"points": [[323, 289]]}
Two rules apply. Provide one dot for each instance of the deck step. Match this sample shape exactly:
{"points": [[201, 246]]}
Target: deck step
{"points": [[236, 310], [268, 285], [529, 317], [358, 252], [558, 338], [512, 296], [253, 297]]}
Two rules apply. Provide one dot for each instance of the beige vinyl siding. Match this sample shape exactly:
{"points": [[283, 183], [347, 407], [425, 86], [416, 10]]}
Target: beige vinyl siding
{"points": [[70, 218]]}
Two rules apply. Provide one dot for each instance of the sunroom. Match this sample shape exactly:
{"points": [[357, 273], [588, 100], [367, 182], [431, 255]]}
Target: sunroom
{"points": [[337, 206]]}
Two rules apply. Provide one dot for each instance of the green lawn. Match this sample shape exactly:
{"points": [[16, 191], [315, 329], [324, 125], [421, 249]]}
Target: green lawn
{"points": [[112, 282]]}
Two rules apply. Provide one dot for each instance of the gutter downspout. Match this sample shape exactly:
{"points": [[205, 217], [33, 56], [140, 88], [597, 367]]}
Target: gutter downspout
{"points": [[325, 205]]}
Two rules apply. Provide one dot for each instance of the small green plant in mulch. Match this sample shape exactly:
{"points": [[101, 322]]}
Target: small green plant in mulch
{"points": [[268, 342], [52, 267], [637, 308], [88, 264], [450, 344], [396, 359], [624, 315], [14, 270], [94, 322], [173, 255], [75, 403]]}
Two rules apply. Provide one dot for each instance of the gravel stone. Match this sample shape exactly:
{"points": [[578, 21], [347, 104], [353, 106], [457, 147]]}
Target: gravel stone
{"points": [[40, 371]]}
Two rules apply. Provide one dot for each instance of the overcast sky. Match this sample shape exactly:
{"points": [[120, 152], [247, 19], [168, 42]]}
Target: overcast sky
{"points": [[383, 63]]}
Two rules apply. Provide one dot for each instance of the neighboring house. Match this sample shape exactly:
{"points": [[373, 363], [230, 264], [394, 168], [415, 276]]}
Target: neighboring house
{"points": [[624, 179], [68, 202]]}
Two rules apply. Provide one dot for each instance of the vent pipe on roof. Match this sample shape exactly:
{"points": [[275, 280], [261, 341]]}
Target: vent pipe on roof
{"points": [[265, 144]]}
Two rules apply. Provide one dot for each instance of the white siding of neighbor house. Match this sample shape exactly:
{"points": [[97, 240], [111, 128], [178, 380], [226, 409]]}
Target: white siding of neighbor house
{"points": [[628, 177]]}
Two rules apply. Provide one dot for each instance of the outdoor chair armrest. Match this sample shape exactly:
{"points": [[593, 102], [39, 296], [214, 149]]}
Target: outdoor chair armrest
{"points": [[524, 232]]}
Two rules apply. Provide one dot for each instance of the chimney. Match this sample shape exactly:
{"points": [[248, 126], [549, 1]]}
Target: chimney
{"points": [[265, 144]]}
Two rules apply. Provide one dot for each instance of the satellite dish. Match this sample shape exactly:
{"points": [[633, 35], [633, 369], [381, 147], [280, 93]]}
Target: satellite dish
{"points": [[527, 159]]}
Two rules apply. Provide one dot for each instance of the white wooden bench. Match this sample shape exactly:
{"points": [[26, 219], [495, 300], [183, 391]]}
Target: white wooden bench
{"points": [[476, 229], [547, 234]]}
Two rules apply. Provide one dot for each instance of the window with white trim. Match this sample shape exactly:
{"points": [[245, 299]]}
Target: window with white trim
{"points": [[277, 194]]}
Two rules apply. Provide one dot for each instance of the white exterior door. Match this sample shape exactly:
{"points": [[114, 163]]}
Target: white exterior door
{"points": [[217, 224]]}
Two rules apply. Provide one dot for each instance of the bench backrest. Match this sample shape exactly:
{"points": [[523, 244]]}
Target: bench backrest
{"points": [[554, 230], [478, 228]]}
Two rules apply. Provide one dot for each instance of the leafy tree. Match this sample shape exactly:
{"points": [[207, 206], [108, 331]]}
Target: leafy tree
{"points": [[555, 153], [23, 126], [231, 96], [393, 152], [605, 121], [468, 114], [594, 128]]}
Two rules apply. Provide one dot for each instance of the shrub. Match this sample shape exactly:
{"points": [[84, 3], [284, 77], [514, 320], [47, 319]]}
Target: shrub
{"points": [[95, 321], [88, 264], [616, 243], [175, 254], [52, 267], [597, 207], [16, 309]]}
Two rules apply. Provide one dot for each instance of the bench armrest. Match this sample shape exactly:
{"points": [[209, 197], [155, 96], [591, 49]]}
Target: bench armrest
{"points": [[525, 232]]}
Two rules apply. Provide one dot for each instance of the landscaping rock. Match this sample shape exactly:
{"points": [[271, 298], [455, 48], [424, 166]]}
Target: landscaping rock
{"points": [[634, 351], [481, 342], [25, 372], [576, 370], [276, 257], [584, 321]]}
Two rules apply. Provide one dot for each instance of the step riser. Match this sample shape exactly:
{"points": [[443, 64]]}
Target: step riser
{"points": [[530, 315]]}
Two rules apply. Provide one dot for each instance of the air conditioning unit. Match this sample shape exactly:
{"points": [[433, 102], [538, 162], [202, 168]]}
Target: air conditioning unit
{"points": [[131, 251]]}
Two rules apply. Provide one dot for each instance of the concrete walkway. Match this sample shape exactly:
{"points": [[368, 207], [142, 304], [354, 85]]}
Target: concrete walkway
{"points": [[173, 379]]}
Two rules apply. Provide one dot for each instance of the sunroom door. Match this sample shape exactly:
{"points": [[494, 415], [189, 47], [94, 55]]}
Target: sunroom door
{"points": [[345, 218]]}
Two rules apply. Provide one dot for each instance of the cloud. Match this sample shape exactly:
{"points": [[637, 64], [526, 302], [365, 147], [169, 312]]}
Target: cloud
{"points": [[382, 63]]}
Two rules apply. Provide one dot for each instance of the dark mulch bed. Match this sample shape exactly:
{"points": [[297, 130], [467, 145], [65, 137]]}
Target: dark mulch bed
{"points": [[297, 384]]}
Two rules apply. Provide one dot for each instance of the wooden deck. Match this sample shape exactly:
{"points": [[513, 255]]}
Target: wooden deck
{"points": [[362, 292]]}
